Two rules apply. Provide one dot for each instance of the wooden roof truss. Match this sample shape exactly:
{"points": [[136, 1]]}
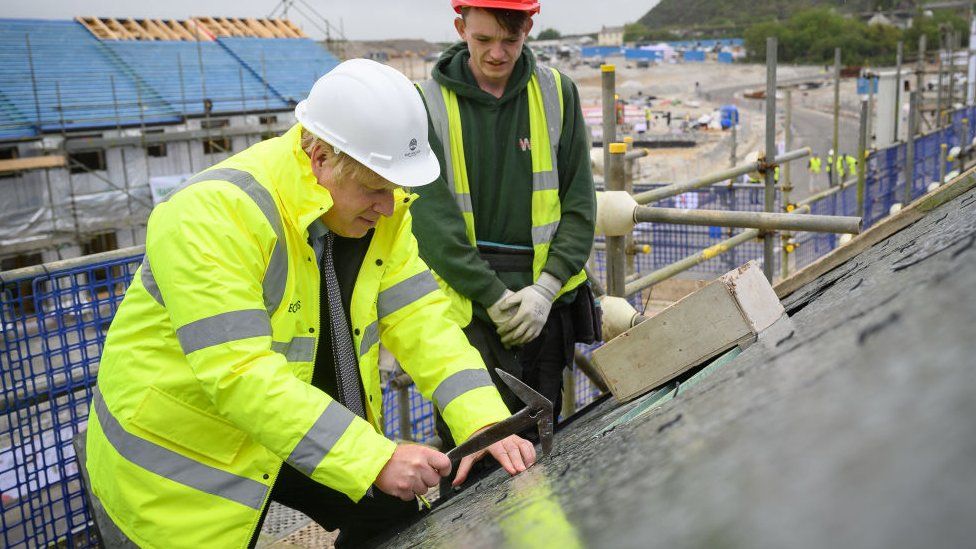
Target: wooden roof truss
{"points": [[196, 28]]}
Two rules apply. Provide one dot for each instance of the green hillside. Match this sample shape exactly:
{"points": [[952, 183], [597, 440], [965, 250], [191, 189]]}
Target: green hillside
{"points": [[742, 13]]}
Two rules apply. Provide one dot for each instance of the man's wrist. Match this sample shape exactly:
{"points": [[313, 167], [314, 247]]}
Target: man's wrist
{"points": [[550, 284]]}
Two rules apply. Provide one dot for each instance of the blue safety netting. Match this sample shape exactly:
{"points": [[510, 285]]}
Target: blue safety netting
{"points": [[885, 181]]}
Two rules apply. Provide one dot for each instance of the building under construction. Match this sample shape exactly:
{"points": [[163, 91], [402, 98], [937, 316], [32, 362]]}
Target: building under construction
{"points": [[91, 140]]}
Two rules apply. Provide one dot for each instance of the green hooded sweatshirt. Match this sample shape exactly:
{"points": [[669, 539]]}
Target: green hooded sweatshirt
{"points": [[500, 178]]}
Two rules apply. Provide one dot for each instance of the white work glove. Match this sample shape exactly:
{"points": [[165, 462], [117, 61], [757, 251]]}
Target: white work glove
{"points": [[534, 303], [502, 310]]}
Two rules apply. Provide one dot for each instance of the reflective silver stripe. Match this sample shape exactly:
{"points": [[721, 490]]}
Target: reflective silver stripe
{"points": [[550, 100], [149, 281], [371, 336], [438, 116], [322, 436], [405, 292], [173, 466], [277, 272], [222, 328], [544, 234], [459, 383], [545, 181], [299, 349], [464, 202]]}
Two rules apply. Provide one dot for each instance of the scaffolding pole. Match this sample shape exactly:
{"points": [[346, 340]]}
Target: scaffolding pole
{"points": [[787, 184], [862, 158], [766, 221], [833, 169], [910, 148], [125, 163], [608, 83], [770, 194], [760, 165], [616, 245], [898, 84]]}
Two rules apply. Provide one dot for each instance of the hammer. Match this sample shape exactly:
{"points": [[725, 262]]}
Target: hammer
{"points": [[537, 411]]}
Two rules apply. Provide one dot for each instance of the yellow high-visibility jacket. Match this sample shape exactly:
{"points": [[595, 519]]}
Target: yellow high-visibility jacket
{"points": [[204, 384]]}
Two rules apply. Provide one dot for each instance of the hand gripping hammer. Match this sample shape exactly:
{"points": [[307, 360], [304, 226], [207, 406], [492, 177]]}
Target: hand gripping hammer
{"points": [[537, 411]]}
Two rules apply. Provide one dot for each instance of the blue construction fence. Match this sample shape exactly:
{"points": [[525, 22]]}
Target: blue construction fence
{"points": [[53, 331], [885, 180]]}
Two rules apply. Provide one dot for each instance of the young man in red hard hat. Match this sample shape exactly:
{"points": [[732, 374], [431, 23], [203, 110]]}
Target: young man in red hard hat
{"points": [[509, 225]]}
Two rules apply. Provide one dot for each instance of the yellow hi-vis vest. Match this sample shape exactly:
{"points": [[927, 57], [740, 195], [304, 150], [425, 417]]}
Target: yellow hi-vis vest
{"points": [[545, 128], [814, 164], [204, 384]]}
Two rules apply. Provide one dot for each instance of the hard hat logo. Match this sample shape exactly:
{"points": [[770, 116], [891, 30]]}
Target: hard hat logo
{"points": [[413, 144]]}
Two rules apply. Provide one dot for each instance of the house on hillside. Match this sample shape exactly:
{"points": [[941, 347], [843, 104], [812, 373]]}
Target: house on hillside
{"points": [[611, 36]]}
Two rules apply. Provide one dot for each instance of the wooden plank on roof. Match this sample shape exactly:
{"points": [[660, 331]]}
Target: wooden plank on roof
{"points": [[728, 311], [293, 28], [258, 28], [118, 29], [209, 27], [151, 31], [273, 27], [283, 30], [98, 28], [199, 30], [180, 29], [85, 22], [229, 27], [242, 27], [221, 29], [136, 30], [31, 163], [162, 31]]}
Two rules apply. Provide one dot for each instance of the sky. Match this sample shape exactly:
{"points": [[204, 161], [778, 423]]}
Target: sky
{"points": [[361, 20]]}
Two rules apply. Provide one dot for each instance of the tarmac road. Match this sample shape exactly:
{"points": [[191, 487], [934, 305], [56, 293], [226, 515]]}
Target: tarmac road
{"points": [[811, 128]]}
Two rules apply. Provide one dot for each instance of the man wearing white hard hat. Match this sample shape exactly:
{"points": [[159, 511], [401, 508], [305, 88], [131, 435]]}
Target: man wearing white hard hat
{"points": [[242, 365]]}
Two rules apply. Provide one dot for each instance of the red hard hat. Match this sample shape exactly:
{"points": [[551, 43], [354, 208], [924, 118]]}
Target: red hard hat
{"points": [[531, 6]]}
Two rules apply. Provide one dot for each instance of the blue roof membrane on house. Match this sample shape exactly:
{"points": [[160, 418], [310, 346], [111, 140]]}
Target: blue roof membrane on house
{"points": [[172, 71], [72, 79], [289, 65], [81, 82]]}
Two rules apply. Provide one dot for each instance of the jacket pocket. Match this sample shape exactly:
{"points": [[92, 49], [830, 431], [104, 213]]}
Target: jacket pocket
{"points": [[185, 426]]}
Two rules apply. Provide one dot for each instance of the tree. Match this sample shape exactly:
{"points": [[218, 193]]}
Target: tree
{"points": [[810, 36], [635, 32], [549, 34]]}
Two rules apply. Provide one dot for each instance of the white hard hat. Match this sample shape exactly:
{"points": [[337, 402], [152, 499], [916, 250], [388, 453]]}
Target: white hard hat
{"points": [[375, 115]]}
